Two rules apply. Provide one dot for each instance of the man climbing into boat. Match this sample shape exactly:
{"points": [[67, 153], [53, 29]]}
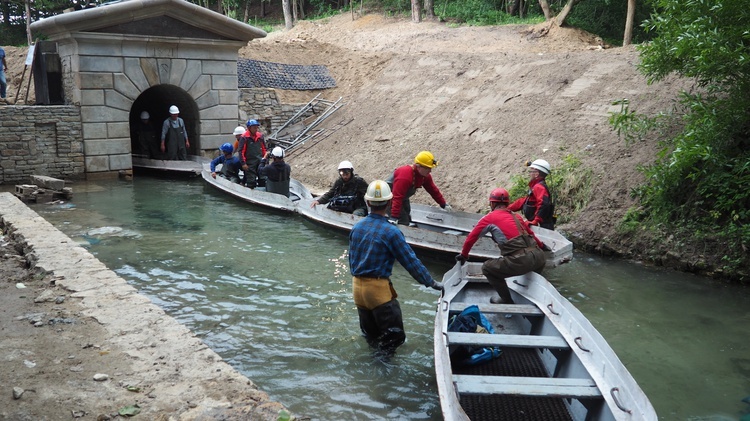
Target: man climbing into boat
{"points": [[537, 206], [276, 174], [521, 251], [230, 165], [406, 180], [374, 245], [347, 194], [252, 147]]}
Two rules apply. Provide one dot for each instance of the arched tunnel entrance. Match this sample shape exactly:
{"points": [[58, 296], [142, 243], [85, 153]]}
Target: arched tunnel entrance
{"points": [[156, 101]]}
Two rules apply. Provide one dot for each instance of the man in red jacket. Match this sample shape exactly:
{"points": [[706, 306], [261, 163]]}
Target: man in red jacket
{"points": [[521, 251], [252, 148], [406, 180], [538, 207]]}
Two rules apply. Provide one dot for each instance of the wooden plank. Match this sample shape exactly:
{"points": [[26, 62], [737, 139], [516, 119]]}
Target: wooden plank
{"points": [[526, 386], [522, 309], [514, 341]]}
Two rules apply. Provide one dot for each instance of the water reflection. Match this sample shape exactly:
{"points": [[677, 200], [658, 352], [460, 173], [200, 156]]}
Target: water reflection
{"points": [[271, 294]]}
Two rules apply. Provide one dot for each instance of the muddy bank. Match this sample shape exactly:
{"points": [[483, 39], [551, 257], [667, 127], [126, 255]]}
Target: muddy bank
{"points": [[79, 342]]}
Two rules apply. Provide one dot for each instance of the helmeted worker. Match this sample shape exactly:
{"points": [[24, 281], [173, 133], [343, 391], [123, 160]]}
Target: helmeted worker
{"points": [[174, 136], [230, 164], [374, 245], [238, 132], [406, 180], [147, 144], [347, 193], [537, 206], [252, 147], [521, 251], [277, 174]]}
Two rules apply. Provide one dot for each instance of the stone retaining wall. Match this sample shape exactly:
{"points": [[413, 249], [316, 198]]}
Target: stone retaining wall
{"points": [[40, 140], [263, 104]]}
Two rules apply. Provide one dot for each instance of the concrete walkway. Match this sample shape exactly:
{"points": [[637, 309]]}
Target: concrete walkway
{"points": [[178, 376]]}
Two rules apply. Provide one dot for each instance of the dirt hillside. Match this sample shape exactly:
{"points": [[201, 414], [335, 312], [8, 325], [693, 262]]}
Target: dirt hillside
{"points": [[484, 100]]}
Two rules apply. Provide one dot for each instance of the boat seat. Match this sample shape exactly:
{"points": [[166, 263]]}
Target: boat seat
{"points": [[503, 340], [521, 309], [452, 232], [526, 386]]}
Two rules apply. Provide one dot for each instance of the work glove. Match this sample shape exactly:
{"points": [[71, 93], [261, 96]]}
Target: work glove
{"points": [[437, 285], [393, 221], [461, 258], [447, 207]]}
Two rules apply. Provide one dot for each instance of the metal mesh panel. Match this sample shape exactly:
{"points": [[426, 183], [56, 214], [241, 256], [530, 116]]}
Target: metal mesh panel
{"points": [[263, 74], [513, 362]]}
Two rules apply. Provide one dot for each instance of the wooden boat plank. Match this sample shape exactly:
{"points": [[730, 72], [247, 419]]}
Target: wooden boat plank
{"points": [[518, 341], [520, 309], [526, 386]]}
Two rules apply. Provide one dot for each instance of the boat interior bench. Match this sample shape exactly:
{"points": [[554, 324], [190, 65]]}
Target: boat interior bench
{"points": [[518, 341], [527, 386]]}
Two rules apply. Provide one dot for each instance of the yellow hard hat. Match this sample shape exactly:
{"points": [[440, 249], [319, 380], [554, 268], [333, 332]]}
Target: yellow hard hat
{"points": [[426, 159]]}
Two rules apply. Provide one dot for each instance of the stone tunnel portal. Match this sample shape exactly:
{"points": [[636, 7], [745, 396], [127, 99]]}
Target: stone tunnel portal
{"points": [[156, 101]]}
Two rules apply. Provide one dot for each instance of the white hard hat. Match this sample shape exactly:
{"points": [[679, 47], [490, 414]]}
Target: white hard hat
{"points": [[277, 152], [174, 110], [346, 165], [378, 191], [540, 165], [145, 115], [239, 130]]}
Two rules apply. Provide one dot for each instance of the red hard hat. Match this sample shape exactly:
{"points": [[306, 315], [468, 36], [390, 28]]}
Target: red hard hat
{"points": [[499, 195]]}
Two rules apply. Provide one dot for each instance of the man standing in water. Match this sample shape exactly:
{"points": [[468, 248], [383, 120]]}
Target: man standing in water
{"points": [[174, 136], [374, 244]]}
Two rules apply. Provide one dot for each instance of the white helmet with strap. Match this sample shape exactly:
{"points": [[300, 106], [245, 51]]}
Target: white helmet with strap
{"points": [[540, 165]]}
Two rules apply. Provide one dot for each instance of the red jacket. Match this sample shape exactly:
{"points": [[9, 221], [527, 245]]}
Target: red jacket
{"points": [[406, 180], [538, 196], [499, 224], [249, 137]]}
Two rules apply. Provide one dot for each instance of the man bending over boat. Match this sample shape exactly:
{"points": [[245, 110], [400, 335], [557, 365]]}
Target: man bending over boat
{"points": [[521, 251], [230, 165], [347, 194], [374, 244], [406, 180]]}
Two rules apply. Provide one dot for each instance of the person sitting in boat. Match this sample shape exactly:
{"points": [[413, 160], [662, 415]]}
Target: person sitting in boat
{"points": [[537, 206], [406, 180], [252, 147], [230, 165], [521, 251], [347, 194], [374, 245], [276, 174]]}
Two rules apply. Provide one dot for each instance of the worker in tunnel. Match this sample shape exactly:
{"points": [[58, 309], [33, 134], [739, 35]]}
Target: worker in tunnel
{"points": [[174, 136]]}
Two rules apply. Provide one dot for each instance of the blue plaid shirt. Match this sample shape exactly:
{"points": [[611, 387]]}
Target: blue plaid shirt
{"points": [[373, 246]]}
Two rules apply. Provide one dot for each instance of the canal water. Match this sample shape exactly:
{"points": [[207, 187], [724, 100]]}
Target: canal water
{"points": [[270, 293]]}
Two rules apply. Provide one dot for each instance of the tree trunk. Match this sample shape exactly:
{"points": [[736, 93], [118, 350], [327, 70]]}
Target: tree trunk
{"points": [[416, 11], [6, 13], [628, 37], [545, 8], [295, 6], [301, 4], [560, 18], [288, 23], [247, 10], [513, 7], [521, 6], [429, 9], [219, 7], [28, 23]]}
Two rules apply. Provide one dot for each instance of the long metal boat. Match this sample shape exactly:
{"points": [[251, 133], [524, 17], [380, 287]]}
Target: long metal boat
{"points": [[549, 362]]}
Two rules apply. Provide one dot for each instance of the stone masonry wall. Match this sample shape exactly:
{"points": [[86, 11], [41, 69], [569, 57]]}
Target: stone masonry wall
{"points": [[263, 105], [41, 141]]}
